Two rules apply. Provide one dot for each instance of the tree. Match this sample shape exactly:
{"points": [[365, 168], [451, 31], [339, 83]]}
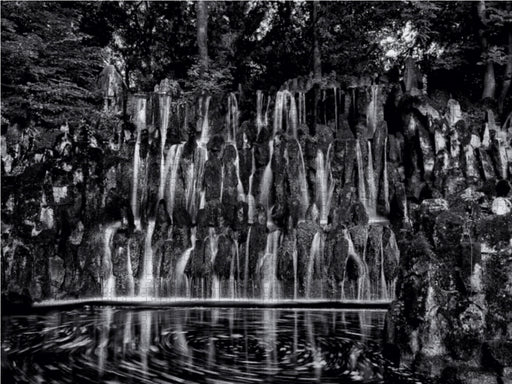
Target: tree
{"points": [[49, 64], [202, 35], [317, 56], [489, 88], [507, 79]]}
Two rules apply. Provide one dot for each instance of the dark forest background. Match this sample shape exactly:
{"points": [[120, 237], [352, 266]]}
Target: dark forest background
{"points": [[57, 55]]}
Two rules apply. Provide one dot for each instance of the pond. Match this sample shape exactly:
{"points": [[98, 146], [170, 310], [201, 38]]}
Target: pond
{"points": [[196, 345]]}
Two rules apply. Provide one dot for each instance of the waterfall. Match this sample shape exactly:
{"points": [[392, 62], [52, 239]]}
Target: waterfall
{"points": [[213, 245], [324, 185], [407, 220], [266, 183], [172, 164], [205, 128], [302, 107], [261, 119], [109, 285], [394, 246], [383, 285], [182, 264], [278, 113], [385, 182], [315, 253], [140, 123], [287, 112], [232, 118], [195, 178], [268, 267], [285, 101], [303, 183], [371, 203], [360, 174], [221, 182], [246, 266], [190, 183], [165, 107], [292, 115], [250, 196], [146, 283], [239, 185], [295, 257], [129, 271], [371, 113], [363, 282], [234, 274], [195, 194]]}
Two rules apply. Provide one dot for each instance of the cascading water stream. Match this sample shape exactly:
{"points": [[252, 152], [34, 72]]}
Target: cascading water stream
{"points": [[165, 107], [278, 112], [303, 183], [266, 184], [239, 185], [295, 259], [172, 164], [371, 203], [246, 264], [140, 123], [361, 188], [363, 283], [195, 174], [232, 118], [300, 108], [393, 246], [212, 242], [315, 253], [385, 181], [181, 278], [384, 294], [109, 285], [371, 113], [292, 115], [129, 271], [147, 281], [324, 185], [234, 273], [268, 267], [261, 118], [205, 127], [250, 196]]}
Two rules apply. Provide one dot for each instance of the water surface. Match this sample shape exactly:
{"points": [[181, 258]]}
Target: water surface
{"points": [[195, 345]]}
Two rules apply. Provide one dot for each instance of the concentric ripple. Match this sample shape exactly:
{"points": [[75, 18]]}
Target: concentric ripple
{"points": [[198, 345]]}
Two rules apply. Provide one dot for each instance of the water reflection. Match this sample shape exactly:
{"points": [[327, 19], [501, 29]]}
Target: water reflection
{"points": [[198, 345]]}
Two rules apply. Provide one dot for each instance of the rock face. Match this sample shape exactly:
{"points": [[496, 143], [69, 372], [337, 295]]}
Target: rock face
{"points": [[455, 273], [390, 198]]}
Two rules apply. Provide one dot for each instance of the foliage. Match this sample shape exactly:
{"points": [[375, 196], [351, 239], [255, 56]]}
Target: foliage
{"points": [[255, 44], [49, 65]]}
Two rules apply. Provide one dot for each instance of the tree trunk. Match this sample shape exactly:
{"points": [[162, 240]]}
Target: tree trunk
{"points": [[508, 73], [202, 35], [489, 78], [317, 56], [317, 67]]}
